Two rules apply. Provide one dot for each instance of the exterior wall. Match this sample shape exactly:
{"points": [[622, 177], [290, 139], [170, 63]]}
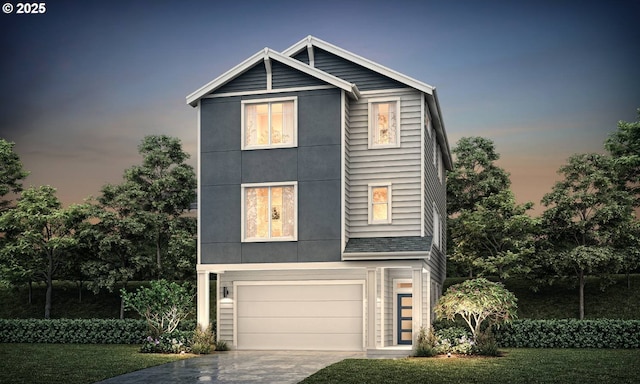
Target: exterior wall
{"points": [[314, 164], [284, 77], [399, 166], [253, 79], [364, 78]]}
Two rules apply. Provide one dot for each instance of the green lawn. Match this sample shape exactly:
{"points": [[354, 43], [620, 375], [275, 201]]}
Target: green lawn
{"points": [[516, 366], [72, 363]]}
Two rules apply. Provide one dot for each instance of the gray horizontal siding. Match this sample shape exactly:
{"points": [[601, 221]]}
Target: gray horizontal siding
{"points": [[302, 56], [254, 79], [364, 78], [398, 166], [286, 77]]}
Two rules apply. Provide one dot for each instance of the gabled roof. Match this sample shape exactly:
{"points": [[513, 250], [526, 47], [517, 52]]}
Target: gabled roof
{"points": [[431, 96], [315, 42], [265, 55]]}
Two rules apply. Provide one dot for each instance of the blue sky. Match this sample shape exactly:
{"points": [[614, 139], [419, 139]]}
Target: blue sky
{"points": [[83, 83]]}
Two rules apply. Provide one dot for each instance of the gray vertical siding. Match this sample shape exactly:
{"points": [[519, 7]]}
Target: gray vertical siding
{"points": [[399, 166]]}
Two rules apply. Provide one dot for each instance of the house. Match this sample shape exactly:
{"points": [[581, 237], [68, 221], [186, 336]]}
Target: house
{"points": [[321, 201]]}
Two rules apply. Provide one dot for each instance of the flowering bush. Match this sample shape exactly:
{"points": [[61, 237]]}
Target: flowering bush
{"points": [[454, 340], [174, 342]]}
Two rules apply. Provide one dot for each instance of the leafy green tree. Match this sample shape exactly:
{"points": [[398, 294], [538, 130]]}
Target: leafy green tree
{"points": [[585, 213], [480, 302], [160, 189], [163, 304], [624, 147], [116, 242], [42, 234], [181, 255], [496, 236], [475, 174], [11, 172]]}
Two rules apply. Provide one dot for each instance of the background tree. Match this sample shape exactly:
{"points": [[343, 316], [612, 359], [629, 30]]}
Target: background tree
{"points": [[11, 172], [161, 189], [480, 302], [584, 213], [181, 255], [624, 147], [42, 234], [496, 236]]}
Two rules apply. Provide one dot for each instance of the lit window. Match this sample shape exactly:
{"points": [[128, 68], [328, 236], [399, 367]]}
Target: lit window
{"points": [[380, 204], [269, 212], [384, 124], [269, 124]]}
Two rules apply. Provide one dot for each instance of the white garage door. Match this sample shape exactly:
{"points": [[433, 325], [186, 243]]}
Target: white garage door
{"points": [[302, 317]]}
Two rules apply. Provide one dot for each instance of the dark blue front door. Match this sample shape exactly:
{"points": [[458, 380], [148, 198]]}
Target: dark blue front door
{"points": [[405, 318]]}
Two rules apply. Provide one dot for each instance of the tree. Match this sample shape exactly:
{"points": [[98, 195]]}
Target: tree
{"points": [[624, 147], [496, 235], [162, 188], [116, 241], [181, 255], [11, 172], [480, 302], [42, 234], [475, 174], [585, 213], [163, 304]]}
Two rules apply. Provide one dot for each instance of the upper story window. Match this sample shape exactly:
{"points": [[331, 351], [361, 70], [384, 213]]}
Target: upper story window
{"points": [[270, 212], [269, 123], [384, 123], [380, 203], [437, 227]]}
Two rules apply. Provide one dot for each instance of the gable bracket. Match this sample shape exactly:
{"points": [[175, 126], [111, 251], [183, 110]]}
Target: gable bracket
{"points": [[267, 65], [310, 53]]}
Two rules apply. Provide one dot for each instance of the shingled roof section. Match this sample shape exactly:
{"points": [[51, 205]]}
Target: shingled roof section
{"points": [[388, 244]]}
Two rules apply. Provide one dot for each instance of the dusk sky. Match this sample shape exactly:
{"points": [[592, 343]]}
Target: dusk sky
{"points": [[84, 82]]}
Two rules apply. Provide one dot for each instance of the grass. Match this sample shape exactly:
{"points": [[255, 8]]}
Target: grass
{"points": [[516, 366], [73, 363]]}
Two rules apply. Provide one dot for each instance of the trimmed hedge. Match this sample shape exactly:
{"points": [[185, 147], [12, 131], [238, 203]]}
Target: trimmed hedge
{"points": [[569, 333], [77, 331]]}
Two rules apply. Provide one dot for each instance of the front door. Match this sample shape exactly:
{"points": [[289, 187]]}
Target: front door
{"points": [[405, 318]]}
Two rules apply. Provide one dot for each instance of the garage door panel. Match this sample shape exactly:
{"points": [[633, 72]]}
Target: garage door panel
{"points": [[300, 316], [302, 292], [302, 308], [290, 325], [330, 342]]}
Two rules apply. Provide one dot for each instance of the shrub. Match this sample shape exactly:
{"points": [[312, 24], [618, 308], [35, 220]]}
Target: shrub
{"points": [[570, 333], [454, 340], [221, 345], [170, 342], [485, 344], [426, 343], [203, 341]]}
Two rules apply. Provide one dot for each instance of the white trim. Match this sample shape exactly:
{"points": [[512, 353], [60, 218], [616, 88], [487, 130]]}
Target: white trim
{"points": [[267, 65], [385, 91], [269, 101], [312, 61], [220, 268], [343, 173], [265, 92], [264, 54], [386, 255], [394, 298], [199, 181], [293, 184], [371, 122], [302, 44], [370, 187], [436, 241], [422, 165]]}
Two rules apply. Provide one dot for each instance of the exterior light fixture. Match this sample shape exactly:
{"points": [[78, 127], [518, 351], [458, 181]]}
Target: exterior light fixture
{"points": [[225, 292]]}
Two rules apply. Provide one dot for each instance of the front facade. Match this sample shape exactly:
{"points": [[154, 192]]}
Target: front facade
{"points": [[321, 201]]}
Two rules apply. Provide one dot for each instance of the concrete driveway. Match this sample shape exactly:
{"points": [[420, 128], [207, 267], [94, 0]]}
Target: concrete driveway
{"points": [[238, 367]]}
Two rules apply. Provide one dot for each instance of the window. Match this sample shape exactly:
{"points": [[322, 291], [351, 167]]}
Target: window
{"points": [[437, 227], [379, 203], [269, 212], [269, 123], [439, 164], [384, 124]]}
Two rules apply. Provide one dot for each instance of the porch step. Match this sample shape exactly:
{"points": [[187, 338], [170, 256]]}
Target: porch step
{"points": [[388, 353]]}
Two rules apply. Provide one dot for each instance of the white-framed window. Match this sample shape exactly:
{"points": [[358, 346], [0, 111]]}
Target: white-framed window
{"points": [[380, 197], [435, 149], [439, 165], [270, 123], [384, 123], [437, 227], [270, 212]]}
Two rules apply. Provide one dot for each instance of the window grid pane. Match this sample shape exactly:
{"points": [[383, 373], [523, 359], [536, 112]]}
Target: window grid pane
{"points": [[384, 123], [269, 124]]}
